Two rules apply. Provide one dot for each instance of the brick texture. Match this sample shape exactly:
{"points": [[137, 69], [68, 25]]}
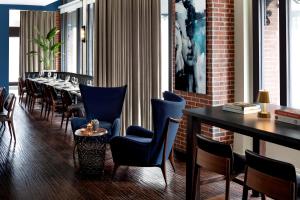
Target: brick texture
{"points": [[219, 69]]}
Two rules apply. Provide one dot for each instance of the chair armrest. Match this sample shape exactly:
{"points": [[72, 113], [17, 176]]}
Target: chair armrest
{"points": [[139, 131], [173, 120]]}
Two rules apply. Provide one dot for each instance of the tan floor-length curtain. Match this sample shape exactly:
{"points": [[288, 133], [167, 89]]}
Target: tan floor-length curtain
{"points": [[30, 23], [127, 51]]}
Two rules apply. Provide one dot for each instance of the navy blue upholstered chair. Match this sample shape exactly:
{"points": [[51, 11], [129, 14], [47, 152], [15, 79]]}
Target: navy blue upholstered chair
{"points": [[104, 104], [144, 148]]}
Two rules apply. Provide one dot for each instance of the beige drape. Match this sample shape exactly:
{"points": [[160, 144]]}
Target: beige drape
{"points": [[127, 51], [31, 21]]}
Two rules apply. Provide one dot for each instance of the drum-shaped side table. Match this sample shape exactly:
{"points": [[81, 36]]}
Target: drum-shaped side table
{"points": [[91, 150]]}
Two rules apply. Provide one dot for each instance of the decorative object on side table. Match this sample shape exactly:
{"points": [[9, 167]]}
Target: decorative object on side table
{"points": [[264, 99], [95, 123]]}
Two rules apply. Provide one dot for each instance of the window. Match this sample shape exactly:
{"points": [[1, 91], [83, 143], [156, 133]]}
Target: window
{"points": [[90, 36], [276, 30], [70, 42], [165, 45], [270, 50], [14, 45], [73, 48], [294, 49]]}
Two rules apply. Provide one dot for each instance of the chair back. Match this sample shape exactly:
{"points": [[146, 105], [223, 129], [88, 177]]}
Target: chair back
{"points": [[20, 85], [214, 156], [165, 128], [66, 99], [104, 104], [2, 97], [9, 105], [273, 178]]}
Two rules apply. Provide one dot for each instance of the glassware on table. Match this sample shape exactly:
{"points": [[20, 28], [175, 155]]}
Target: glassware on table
{"points": [[55, 76], [75, 81], [41, 74], [67, 79], [89, 82], [49, 74]]}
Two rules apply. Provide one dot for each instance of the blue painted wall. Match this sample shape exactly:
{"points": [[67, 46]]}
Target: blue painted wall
{"points": [[4, 40]]}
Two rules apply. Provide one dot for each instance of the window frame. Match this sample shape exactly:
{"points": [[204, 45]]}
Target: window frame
{"points": [[258, 16]]}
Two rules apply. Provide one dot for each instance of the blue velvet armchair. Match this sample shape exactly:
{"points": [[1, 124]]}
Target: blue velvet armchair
{"points": [[144, 148], [104, 104]]}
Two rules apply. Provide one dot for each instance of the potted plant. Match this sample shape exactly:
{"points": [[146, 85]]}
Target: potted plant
{"points": [[50, 49]]}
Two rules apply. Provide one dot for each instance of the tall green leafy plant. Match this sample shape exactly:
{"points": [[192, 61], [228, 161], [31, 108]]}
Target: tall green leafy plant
{"points": [[48, 46]]}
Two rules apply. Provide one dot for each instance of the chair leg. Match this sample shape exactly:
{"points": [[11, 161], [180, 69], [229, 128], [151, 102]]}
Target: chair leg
{"points": [[245, 193], [62, 119], [172, 159], [227, 193], [263, 197], [52, 113], [13, 129], [163, 170], [67, 122], [116, 166], [196, 182], [42, 110]]}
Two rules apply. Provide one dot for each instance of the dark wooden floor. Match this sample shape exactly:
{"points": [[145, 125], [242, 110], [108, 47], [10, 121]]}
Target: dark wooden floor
{"points": [[40, 165]]}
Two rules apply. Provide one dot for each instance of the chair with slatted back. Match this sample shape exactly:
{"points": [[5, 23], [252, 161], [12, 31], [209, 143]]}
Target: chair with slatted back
{"points": [[69, 109], [54, 103], [217, 157], [21, 89], [7, 114], [35, 95], [273, 178]]}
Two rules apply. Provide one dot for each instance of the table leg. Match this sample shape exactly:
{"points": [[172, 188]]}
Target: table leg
{"points": [[194, 127]]}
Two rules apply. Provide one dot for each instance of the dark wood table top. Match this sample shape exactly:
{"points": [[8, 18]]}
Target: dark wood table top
{"points": [[249, 124]]}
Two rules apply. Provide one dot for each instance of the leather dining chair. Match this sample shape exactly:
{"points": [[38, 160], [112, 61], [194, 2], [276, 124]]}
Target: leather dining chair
{"points": [[144, 148], [273, 178], [8, 112], [69, 109], [217, 157], [21, 89]]}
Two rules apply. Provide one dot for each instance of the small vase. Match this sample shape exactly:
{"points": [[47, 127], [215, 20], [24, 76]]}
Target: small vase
{"points": [[95, 126]]}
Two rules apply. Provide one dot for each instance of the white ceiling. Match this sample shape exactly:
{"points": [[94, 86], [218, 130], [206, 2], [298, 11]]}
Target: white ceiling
{"points": [[28, 2]]}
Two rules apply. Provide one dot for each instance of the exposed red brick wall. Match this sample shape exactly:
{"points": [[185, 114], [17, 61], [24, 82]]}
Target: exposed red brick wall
{"points": [[58, 39], [219, 69]]}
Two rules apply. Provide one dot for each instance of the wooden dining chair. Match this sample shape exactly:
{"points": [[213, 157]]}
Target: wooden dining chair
{"points": [[7, 114], [35, 95], [54, 104], [273, 178], [21, 89], [217, 157], [69, 109]]}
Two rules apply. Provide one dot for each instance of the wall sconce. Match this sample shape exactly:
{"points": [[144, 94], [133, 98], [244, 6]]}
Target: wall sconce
{"points": [[83, 34], [264, 100]]}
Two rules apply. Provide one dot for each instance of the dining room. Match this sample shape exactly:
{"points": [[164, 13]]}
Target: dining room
{"points": [[149, 99]]}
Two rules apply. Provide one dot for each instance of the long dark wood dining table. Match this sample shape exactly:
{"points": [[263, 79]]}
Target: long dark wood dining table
{"points": [[250, 125], [59, 85]]}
